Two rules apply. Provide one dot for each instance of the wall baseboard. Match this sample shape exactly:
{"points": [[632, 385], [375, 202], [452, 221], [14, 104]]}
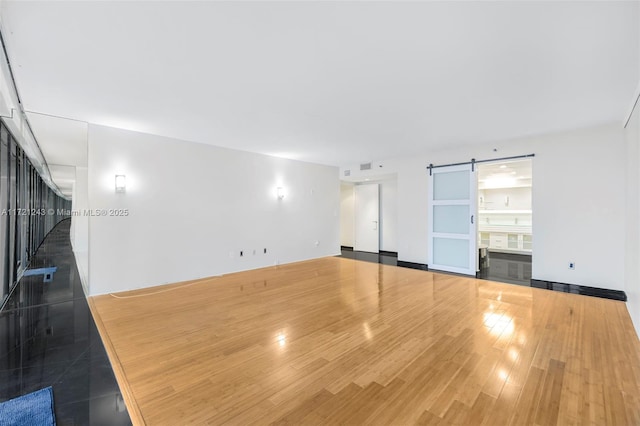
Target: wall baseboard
{"points": [[380, 252], [580, 289], [413, 265], [535, 283]]}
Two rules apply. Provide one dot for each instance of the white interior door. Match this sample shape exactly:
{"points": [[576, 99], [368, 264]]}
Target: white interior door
{"points": [[367, 218], [452, 219]]}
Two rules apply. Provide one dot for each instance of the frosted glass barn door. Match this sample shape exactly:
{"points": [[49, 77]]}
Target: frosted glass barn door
{"points": [[452, 219]]}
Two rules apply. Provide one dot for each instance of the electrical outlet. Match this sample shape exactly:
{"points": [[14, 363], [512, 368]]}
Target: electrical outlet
{"points": [[572, 265]]}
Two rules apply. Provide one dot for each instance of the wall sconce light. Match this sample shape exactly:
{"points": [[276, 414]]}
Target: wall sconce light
{"points": [[280, 192], [121, 183]]}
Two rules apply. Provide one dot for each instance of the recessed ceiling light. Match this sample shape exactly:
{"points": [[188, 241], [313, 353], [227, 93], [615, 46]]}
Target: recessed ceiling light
{"points": [[503, 166]]}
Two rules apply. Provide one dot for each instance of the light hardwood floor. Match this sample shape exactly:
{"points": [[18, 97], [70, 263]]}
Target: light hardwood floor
{"points": [[340, 341]]}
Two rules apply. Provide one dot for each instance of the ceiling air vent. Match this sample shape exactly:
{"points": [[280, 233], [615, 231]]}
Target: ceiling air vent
{"points": [[347, 172], [365, 166]]}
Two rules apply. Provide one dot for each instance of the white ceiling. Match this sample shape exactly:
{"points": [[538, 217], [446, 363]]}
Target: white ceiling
{"points": [[328, 82], [505, 174], [63, 144], [69, 137], [521, 169], [64, 177]]}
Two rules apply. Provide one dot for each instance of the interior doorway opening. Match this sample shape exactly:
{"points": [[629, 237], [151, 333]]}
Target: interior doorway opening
{"points": [[505, 221], [368, 218]]}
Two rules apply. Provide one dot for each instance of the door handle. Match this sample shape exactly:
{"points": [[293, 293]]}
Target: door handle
{"points": [[376, 226], [472, 219]]}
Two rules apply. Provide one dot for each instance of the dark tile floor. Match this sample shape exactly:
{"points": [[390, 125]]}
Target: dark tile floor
{"points": [[370, 257], [507, 268], [501, 267], [48, 338]]}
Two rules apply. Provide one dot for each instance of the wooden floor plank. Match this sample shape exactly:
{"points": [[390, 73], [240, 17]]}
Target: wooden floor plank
{"points": [[480, 410], [551, 393], [528, 403], [339, 341]]}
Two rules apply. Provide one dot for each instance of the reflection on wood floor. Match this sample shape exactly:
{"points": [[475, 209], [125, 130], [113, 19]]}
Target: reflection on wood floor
{"points": [[341, 341]]}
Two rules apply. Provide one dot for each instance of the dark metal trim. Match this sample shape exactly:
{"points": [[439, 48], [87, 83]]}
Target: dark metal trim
{"points": [[604, 293], [473, 162], [635, 104], [413, 265]]}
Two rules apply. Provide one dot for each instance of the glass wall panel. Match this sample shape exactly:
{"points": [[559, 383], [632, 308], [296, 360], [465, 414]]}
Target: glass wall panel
{"points": [[19, 206], [4, 208], [29, 209], [12, 190]]}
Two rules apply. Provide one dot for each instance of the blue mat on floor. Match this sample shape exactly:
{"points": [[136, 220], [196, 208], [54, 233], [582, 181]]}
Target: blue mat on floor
{"points": [[32, 409]]}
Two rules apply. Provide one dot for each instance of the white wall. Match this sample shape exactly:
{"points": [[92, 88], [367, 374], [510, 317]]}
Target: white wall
{"points": [[347, 214], [632, 259], [495, 199], [194, 207], [578, 202], [79, 232]]}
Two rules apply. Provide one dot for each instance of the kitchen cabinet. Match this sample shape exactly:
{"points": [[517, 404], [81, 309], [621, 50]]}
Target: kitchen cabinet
{"points": [[497, 240], [507, 231], [507, 242]]}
